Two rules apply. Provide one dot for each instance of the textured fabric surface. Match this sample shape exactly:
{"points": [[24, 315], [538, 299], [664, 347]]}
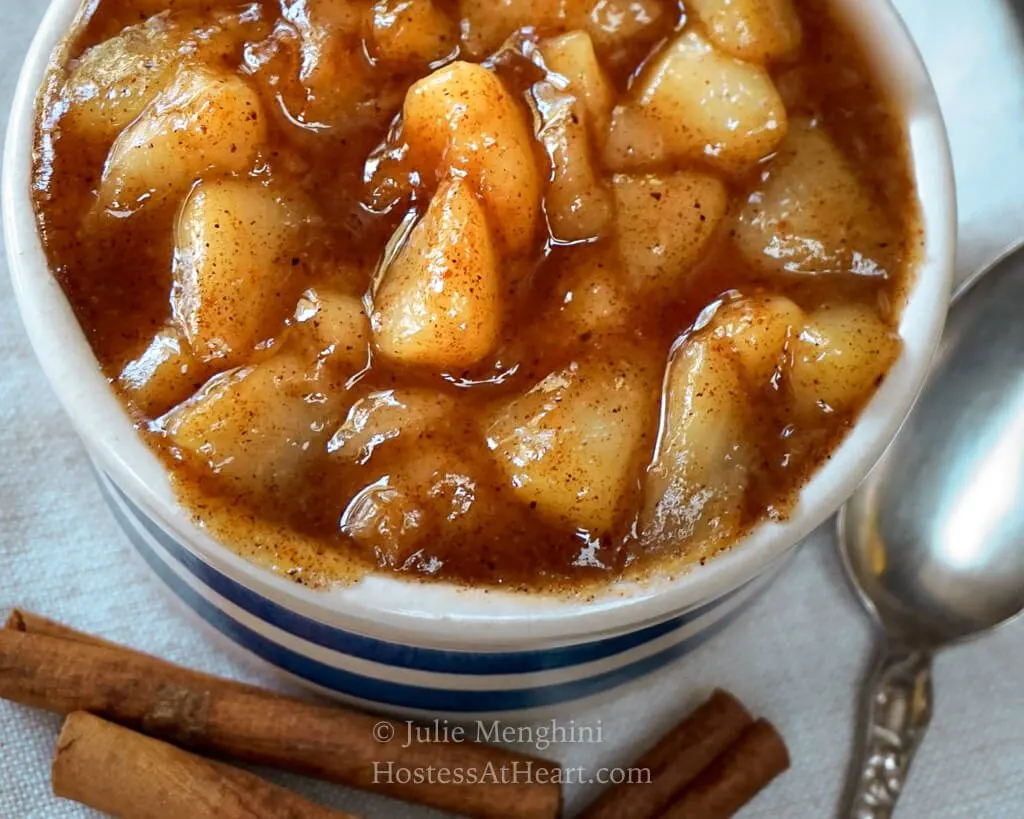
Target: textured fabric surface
{"points": [[796, 656]]}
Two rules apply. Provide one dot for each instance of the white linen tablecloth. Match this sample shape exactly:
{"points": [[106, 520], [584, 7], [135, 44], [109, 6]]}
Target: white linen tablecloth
{"points": [[796, 656]]}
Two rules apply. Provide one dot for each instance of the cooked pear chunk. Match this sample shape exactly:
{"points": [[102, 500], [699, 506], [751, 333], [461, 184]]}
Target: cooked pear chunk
{"points": [[254, 426], [233, 271], [339, 324], [695, 103], [810, 214], [412, 32], [614, 25], [758, 31], [573, 105], [694, 489], [841, 355], [317, 65], [203, 121], [164, 374], [462, 121], [112, 82], [411, 416], [109, 84], [664, 223], [758, 330], [592, 297], [439, 303], [400, 516], [577, 203], [487, 23], [565, 445], [572, 57], [618, 27]]}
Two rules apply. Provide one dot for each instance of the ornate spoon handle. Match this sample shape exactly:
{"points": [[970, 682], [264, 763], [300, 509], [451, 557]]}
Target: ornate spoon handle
{"points": [[897, 709]]}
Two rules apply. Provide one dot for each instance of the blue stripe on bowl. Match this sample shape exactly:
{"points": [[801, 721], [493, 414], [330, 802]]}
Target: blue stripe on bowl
{"points": [[397, 654], [399, 694]]}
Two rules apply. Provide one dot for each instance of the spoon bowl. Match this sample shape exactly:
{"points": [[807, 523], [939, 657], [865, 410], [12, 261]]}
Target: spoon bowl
{"points": [[933, 541]]}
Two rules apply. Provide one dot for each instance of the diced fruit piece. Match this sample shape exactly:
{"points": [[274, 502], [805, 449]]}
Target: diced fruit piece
{"points": [[572, 57], [111, 82], [620, 27], [664, 223], [386, 519], [577, 204], [412, 32], [400, 516], [592, 298], [755, 30], [635, 140], [487, 23], [811, 214], [233, 267], [325, 18], [757, 330], [316, 66], [439, 303], [574, 105], [411, 416], [254, 426], [203, 121], [694, 490], [698, 104], [339, 324], [565, 445], [425, 489], [616, 26], [840, 356], [461, 121], [164, 375]]}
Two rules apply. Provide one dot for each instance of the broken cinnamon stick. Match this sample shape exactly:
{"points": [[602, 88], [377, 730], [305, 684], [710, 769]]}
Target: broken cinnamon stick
{"points": [[130, 775], [735, 777], [224, 718], [676, 760]]}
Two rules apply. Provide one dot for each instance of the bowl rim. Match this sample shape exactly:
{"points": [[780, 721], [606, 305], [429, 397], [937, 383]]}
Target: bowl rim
{"points": [[446, 615]]}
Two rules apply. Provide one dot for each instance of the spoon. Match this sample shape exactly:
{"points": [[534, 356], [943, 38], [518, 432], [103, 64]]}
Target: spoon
{"points": [[933, 541]]}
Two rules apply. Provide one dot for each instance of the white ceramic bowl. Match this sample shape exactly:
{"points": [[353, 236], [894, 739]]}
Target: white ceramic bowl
{"points": [[438, 648]]}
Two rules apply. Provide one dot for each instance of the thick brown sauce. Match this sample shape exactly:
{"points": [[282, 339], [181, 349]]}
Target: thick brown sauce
{"points": [[117, 276]]}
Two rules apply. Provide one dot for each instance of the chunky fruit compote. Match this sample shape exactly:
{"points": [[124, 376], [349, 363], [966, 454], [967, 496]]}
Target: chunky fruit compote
{"points": [[531, 293]]}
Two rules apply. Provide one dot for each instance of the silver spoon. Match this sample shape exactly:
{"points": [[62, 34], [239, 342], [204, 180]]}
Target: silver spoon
{"points": [[933, 541]]}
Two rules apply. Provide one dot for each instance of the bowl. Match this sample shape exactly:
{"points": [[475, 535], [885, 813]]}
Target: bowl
{"points": [[415, 648]]}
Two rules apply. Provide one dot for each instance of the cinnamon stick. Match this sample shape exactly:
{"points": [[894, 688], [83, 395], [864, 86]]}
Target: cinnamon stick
{"points": [[26, 621], [223, 718], [132, 776], [29, 623], [735, 777], [676, 760]]}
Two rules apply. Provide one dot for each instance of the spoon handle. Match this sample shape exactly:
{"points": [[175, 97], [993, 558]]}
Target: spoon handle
{"points": [[897, 708]]}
